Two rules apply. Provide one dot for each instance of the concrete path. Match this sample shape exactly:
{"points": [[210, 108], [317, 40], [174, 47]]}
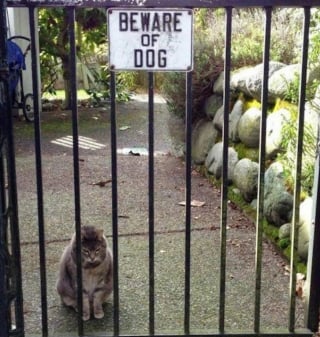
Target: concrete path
{"points": [[95, 167]]}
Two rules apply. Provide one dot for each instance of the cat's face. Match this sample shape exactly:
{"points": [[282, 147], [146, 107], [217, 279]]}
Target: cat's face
{"points": [[93, 246]]}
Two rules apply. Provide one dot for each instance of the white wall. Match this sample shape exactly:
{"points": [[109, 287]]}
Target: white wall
{"points": [[18, 23]]}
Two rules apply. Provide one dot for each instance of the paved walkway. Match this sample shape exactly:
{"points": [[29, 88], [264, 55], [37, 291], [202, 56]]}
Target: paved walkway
{"points": [[95, 168]]}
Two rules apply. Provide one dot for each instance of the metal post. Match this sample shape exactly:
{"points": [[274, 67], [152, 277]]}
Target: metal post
{"points": [[151, 204], [4, 319], [4, 331], [224, 187], [312, 300]]}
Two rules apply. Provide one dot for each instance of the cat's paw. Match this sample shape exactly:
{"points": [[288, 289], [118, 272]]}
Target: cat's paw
{"points": [[98, 313], [85, 316]]}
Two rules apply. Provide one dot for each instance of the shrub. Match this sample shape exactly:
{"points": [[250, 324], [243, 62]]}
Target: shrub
{"points": [[208, 63], [246, 50], [101, 91], [288, 157]]}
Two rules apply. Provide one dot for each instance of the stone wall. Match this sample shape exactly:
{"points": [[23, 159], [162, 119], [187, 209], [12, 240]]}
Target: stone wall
{"points": [[244, 128]]}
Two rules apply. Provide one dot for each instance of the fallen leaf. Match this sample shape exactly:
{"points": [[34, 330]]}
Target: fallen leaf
{"points": [[124, 127], [232, 205], [102, 183], [300, 285], [194, 203], [134, 153]]}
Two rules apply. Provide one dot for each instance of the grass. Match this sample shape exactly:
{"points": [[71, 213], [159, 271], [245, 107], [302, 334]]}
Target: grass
{"points": [[60, 95], [58, 122]]}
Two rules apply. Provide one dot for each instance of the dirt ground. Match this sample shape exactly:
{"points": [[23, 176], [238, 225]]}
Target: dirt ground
{"points": [[96, 209]]}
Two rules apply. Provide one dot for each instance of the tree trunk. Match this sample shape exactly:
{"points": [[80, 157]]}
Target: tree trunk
{"points": [[66, 60], [67, 82]]}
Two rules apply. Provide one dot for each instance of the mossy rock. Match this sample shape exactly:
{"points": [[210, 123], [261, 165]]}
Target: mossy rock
{"points": [[246, 152]]}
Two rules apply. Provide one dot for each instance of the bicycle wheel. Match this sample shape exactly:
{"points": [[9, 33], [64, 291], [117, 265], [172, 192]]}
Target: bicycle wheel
{"points": [[28, 108]]}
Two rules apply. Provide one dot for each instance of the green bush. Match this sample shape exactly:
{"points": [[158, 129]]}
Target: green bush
{"points": [[208, 63], [50, 70], [288, 157], [101, 91], [246, 50]]}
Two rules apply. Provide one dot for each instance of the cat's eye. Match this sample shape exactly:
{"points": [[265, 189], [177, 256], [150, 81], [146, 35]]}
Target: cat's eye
{"points": [[85, 252], [97, 251]]}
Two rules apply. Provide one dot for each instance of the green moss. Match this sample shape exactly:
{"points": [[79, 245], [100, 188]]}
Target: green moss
{"points": [[284, 243], [281, 104], [246, 152], [251, 103], [271, 231], [239, 201], [302, 268]]}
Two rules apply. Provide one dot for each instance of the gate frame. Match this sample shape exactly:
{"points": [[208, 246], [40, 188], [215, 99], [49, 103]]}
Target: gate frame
{"points": [[9, 206]]}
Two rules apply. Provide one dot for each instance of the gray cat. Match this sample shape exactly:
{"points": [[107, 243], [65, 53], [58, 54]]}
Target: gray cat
{"points": [[97, 272]]}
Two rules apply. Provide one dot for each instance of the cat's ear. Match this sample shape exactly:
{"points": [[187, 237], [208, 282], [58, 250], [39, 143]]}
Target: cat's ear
{"points": [[99, 233], [83, 233]]}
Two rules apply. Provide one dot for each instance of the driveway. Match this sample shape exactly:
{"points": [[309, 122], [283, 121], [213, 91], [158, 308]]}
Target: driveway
{"points": [[95, 176]]}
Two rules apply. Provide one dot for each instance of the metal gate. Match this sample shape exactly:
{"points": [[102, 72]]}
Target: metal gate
{"points": [[11, 276]]}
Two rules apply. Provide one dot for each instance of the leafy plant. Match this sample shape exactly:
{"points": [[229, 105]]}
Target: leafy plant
{"points": [[49, 72], [208, 64], [293, 89], [53, 36], [288, 157], [246, 50], [101, 92]]}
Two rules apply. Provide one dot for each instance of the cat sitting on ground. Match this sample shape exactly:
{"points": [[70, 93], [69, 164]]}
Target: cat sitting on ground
{"points": [[97, 272]]}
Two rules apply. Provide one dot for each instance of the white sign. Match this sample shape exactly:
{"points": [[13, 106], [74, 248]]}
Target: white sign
{"points": [[150, 39]]}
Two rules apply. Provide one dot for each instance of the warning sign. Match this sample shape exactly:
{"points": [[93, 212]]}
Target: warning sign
{"points": [[150, 39]]}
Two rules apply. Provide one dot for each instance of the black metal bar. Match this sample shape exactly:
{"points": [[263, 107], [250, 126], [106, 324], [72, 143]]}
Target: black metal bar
{"points": [[151, 203], [224, 188], [284, 333], [262, 162], [188, 137], [298, 168], [4, 312], [4, 283], [12, 211], [116, 326], [37, 136], [14, 227], [312, 300], [76, 169], [4, 300], [161, 3]]}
